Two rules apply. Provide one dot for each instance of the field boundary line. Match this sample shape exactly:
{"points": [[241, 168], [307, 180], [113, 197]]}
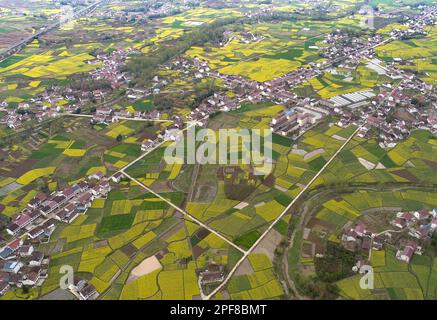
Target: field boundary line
{"points": [[150, 151], [248, 252], [234, 269], [194, 219], [78, 115]]}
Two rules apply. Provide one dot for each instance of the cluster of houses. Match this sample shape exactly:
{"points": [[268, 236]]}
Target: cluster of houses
{"points": [[246, 37], [111, 67], [415, 27], [64, 205], [82, 289], [47, 104], [20, 264], [293, 121], [376, 110], [56, 100], [213, 273], [247, 90], [214, 103], [339, 44], [358, 238], [278, 89], [196, 67], [160, 9], [352, 108], [392, 127], [420, 224], [13, 120], [391, 112], [107, 115], [411, 232], [258, 12]]}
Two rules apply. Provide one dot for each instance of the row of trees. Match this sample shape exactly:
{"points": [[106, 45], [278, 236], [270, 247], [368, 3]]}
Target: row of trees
{"points": [[191, 99]]}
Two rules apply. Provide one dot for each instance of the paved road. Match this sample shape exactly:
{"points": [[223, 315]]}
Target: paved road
{"points": [[120, 118], [194, 219], [248, 252], [15, 48], [149, 151]]}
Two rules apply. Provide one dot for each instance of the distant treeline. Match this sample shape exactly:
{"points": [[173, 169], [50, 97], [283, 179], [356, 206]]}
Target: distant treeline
{"points": [[144, 68]]}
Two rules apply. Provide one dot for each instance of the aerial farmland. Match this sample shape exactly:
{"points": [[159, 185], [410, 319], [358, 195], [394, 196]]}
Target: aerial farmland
{"points": [[338, 177]]}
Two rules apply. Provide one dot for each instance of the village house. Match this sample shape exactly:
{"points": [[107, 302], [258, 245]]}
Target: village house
{"points": [[36, 259], [379, 241], [37, 200], [406, 254], [358, 238], [19, 222], [117, 177], [422, 215], [433, 225], [4, 287], [100, 119], [11, 266], [403, 220], [9, 251], [36, 232], [146, 145], [101, 190], [32, 277], [96, 176], [212, 273], [421, 232], [399, 223], [26, 250], [68, 214], [82, 289], [119, 114], [45, 229], [350, 236], [88, 292], [83, 201]]}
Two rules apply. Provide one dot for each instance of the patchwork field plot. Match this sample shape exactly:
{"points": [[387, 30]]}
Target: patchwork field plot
{"points": [[410, 161], [342, 81], [417, 53], [257, 282], [84, 101], [393, 279]]}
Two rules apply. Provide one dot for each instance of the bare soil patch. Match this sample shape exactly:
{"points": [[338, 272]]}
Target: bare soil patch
{"points": [[147, 266]]}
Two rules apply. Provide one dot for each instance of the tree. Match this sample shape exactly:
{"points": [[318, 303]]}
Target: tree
{"points": [[119, 138], [41, 185]]}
